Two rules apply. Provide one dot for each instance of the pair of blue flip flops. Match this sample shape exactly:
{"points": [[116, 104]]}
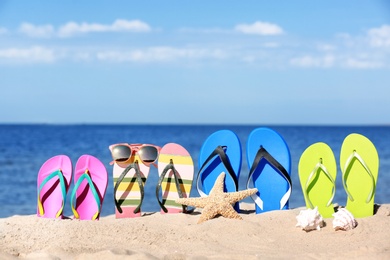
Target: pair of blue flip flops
{"points": [[268, 158]]}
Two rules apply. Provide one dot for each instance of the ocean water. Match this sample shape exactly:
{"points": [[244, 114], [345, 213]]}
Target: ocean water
{"points": [[24, 148]]}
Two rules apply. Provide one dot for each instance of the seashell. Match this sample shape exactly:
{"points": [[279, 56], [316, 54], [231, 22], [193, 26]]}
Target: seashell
{"points": [[344, 220], [310, 219]]}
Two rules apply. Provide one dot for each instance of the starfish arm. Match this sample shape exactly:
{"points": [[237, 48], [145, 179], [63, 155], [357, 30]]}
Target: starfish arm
{"points": [[233, 197], [219, 183], [209, 212], [229, 212], [195, 202]]}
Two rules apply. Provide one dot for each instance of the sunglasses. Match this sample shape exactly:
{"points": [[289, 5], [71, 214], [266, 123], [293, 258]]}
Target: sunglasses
{"points": [[124, 152]]}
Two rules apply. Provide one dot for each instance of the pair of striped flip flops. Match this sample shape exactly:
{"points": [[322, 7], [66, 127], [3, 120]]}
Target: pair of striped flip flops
{"points": [[131, 171], [53, 182]]}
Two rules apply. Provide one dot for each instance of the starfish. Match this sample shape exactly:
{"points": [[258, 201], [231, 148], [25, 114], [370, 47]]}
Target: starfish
{"points": [[218, 202]]}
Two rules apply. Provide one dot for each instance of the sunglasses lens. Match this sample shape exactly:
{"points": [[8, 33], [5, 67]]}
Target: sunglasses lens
{"points": [[121, 153], [148, 154]]}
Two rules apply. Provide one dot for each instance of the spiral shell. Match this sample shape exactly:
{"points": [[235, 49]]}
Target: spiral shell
{"points": [[344, 220], [309, 219]]}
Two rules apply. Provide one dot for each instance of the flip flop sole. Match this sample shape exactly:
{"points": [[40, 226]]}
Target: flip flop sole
{"points": [[357, 179], [269, 182], [182, 161], [234, 153], [86, 205], [128, 194], [318, 190], [51, 193]]}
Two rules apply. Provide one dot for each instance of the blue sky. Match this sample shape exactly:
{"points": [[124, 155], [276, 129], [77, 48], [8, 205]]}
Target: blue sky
{"points": [[213, 62]]}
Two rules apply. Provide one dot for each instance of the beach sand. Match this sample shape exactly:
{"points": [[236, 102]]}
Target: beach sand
{"points": [[270, 235]]}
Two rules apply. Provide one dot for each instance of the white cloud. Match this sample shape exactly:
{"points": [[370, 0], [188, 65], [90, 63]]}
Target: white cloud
{"points": [[203, 30], [40, 31], [364, 51], [72, 28], [346, 61], [82, 56], [260, 28], [353, 63], [379, 37], [271, 45], [308, 61], [326, 47], [160, 54], [119, 25], [32, 54]]}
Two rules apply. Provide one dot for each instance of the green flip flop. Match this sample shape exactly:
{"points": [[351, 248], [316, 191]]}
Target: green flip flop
{"points": [[359, 163], [317, 173]]}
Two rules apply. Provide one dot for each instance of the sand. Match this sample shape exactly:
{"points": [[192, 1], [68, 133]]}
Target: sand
{"points": [[270, 235]]}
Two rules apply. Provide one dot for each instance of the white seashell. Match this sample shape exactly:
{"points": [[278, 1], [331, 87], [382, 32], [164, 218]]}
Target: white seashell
{"points": [[344, 220], [310, 219]]}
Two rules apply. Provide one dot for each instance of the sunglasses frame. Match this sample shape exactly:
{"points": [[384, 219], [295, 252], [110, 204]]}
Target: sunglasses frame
{"points": [[134, 149]]}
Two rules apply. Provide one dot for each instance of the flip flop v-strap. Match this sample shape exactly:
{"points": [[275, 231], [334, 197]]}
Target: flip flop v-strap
{"points": [[86, 176], [176, 175], [263, 154], [347, 167], [220, 151], [314, 173], [60, 176], [139, 181]]}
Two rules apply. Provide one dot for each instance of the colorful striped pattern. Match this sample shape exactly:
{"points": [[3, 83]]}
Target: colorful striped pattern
{"points": [[128, 193], [184, 165]]}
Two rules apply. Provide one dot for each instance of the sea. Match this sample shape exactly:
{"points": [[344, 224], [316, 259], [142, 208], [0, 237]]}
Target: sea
{"points": [[25, 147]]}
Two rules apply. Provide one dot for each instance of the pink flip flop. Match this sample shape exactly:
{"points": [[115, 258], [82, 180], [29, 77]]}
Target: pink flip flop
{"points": [[53, 182], [90, 181]]}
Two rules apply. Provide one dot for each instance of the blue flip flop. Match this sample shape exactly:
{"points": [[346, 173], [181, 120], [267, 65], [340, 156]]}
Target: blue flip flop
{"points": [[221, 152], [269, 161]]}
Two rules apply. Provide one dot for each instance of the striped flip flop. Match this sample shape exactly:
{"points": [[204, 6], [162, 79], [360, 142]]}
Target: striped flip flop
{"points": [[176, 173], [129, 181]]}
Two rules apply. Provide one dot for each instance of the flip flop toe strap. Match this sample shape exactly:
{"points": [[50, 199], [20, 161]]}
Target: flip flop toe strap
{"points": [[347, 168], [220, 152], [262, 153], [61, 178], [134, 166], [86, 176], [312, 176], [176, 175]]}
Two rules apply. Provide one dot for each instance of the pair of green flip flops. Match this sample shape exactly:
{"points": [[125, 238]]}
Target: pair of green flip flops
{"points": [[359, 163]]}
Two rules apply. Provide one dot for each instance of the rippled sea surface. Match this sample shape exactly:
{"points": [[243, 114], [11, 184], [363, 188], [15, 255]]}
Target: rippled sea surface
{"points": [[24, 148]]}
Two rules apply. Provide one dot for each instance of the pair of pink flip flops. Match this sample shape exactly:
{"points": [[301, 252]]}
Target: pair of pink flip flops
{"points": [[90, 184]]}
